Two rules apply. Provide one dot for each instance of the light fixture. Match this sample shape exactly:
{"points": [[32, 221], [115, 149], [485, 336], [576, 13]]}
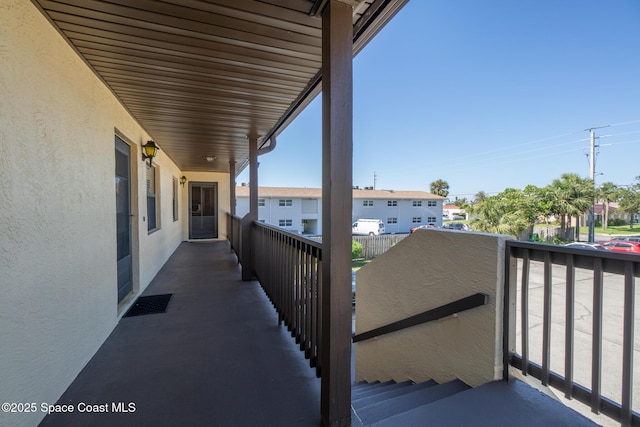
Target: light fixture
{"points": [[210, 158], [183, 179], [149, 151]]}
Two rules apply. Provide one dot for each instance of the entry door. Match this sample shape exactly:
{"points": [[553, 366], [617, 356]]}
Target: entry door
{"points": [[123, 219], [203, 222]]}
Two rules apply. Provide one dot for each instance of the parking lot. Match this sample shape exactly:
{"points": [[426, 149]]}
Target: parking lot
{"points": [[612, 328]]}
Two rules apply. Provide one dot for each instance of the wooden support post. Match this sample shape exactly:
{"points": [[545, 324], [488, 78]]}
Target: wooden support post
{"points": [[232, 187], [248, 251], [337, 153]]}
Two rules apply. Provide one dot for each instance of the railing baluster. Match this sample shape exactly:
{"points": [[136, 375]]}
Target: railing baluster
{"points": [[569, 327], [628, 340], [524, 310], [546, 322], [319, 320], [596, 344]]}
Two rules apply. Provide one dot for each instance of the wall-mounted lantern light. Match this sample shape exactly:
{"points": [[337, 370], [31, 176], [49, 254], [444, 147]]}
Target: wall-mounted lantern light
{"points": [[149, 151], [183, 179]]}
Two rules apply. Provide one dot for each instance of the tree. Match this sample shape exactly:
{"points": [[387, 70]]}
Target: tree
{"points": [[607, 192], [629, 200], [567, 197], [509, 212], [439, 187], [480, 196]]}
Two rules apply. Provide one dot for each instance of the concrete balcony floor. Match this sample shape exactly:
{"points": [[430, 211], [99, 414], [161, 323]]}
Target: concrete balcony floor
{"points": [[217, 357]]}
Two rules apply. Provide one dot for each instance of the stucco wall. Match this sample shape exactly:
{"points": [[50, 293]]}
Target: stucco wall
{"points": [[57, 211], [428, 269]]}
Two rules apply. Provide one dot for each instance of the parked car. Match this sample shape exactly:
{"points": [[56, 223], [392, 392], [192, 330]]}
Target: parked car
{"points": [[584, 245], [629, 238], [622, 246], [422, 227], [457, 226], [365, 226]]}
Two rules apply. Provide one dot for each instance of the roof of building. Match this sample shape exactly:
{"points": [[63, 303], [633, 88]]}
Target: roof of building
{"points": [[450, 207], [243, 191]]}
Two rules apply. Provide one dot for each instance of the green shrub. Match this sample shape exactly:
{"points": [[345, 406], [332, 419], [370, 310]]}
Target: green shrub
{"points": [[356, 249], [617, 222]]}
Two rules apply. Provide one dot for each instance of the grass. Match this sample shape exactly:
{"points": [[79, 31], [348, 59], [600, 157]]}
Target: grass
{"points": [[357, 264], [613, 229]]}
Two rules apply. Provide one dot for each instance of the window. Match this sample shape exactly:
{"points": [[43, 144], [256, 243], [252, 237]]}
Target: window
{"points": [[416, 219], [432, 203], [285, 202], [175, 199], [285, 223], [152, 219], [417, 203], [392, 220], [431, 219], [367, 203], [260, 202], [392, 203]]}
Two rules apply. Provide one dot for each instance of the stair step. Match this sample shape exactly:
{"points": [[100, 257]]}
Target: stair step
{"points": [[363, 384], [364, 393], [498, 403], [409, 402], [371, 388], [370, 400]]}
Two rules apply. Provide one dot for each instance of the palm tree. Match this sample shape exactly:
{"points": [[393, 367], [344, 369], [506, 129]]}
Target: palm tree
{"points": [[570, 196], [509, 212], [439, 187], [480, 196], [630, 200], [607, 193]]}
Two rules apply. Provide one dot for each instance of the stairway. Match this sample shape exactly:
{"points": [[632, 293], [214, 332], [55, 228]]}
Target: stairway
{"points": [[499, 403]]}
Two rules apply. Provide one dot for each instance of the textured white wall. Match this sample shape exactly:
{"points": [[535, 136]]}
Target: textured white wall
{"points": [[58, 278], [428, 269]]}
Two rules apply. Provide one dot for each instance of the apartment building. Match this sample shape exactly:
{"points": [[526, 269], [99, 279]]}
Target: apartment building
{"points": [[300, 209]]}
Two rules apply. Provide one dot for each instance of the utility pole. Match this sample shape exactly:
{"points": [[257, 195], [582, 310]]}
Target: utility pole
{"points": [[375, 178], [592, 175]]}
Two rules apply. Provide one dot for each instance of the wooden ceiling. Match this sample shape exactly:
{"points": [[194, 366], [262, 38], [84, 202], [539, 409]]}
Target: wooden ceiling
{"points": [[200, 76]]}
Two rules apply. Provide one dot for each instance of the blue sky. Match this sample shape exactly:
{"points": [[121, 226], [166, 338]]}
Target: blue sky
{"points": [[485, 95]]}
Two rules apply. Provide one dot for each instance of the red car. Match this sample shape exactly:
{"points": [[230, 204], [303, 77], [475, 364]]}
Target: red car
{"points": [[422, 227], [622, 246]]}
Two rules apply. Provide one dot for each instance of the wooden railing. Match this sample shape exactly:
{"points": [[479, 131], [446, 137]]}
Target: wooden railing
{"points": [[234, 234], [289, 267], [619, 286]]}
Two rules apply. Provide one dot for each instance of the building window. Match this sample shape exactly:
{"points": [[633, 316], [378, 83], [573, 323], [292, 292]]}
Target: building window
{"points": [[367, 203], [392, 203], [432, 203], [392, 220], [417, 203], [175, 199], [285, 202], [285, 222], [416, 219], [431, 219], [260, 202], [152, 191]]}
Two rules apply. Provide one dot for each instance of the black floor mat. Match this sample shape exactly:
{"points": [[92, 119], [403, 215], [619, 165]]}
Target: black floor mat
{"points": [[149, 305]]}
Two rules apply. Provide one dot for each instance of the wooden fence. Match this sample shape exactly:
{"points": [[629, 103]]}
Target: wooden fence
{"points": [[372, 246]]}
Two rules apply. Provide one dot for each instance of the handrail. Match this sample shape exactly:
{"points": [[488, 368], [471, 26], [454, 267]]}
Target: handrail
{"points": [[454, 307], [289, 269], [234, 234]]}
